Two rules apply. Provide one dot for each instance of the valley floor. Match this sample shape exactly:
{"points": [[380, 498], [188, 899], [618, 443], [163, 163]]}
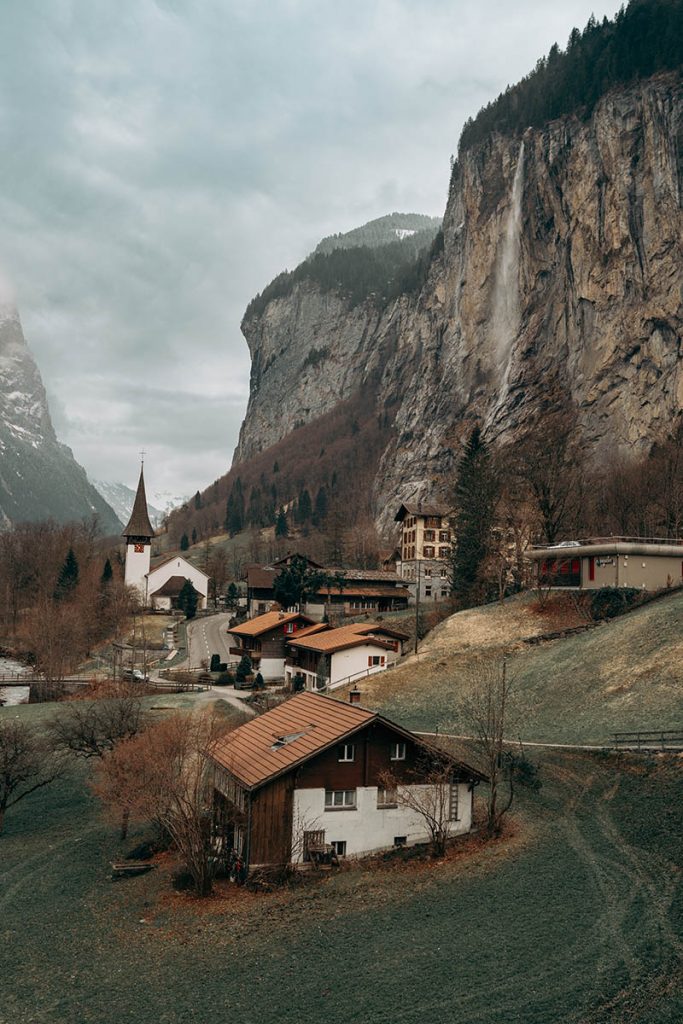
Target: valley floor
{"points": [[575, 916]]}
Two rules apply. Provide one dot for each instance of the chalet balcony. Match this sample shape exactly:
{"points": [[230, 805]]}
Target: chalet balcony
{"points": [[239, 652]]}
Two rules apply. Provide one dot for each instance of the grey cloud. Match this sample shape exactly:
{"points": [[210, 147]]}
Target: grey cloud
{"points": [[164, 159]]}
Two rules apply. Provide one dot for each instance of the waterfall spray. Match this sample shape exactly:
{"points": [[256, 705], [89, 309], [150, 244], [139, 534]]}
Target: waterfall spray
{"points": [[505, 311]]}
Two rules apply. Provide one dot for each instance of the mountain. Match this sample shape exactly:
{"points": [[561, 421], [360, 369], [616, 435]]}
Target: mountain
{"points": [[381, 231], [39, 477], [121, 498], [556, 279]]}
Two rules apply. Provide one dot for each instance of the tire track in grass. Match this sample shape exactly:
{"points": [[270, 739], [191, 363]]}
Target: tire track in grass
{"points": [[29, 866]]}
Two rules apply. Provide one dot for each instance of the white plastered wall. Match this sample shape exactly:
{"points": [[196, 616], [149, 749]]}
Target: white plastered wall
{"points": [[178, 567], [368, 828], [137, 567]]}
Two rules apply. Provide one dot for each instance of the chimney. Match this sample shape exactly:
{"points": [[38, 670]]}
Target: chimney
{"points": [[354, 696]]}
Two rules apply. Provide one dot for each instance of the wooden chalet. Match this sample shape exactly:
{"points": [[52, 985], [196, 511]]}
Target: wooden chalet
{"points": [[330, 658], [265, 637], [311, 774]]}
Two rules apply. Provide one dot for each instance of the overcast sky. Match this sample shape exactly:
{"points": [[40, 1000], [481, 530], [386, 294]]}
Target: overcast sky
{"points": [[162, 160]]}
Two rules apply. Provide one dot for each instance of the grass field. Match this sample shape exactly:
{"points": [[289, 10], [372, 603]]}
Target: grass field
{"points": [[575, 916], [623, 675]]}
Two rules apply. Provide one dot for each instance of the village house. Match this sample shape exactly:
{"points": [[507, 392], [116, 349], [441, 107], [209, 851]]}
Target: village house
{"points": [[264, 640], [609, 562], [371, 591], [312, 774], [332, 657], [425, 550]]}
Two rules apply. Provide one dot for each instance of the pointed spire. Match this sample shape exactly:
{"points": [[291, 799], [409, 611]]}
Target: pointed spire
{"points": [[139, 524]]}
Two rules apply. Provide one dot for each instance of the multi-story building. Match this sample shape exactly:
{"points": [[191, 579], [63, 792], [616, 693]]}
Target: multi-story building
{"points": [[425, 550]]}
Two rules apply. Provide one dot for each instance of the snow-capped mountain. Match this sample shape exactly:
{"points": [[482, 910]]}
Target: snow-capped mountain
{"points": [[39, 477], [121, 498]]}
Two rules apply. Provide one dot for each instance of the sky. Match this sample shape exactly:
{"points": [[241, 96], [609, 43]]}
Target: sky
{"points": [[163, 160]]}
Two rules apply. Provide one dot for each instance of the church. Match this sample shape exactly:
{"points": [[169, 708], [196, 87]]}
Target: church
{"points": [[160, 585]]}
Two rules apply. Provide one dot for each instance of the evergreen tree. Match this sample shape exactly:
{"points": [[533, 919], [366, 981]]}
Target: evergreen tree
{"points": [[281, 527], [197, 500], [296, 582], [304, 506], [320, 512], [476, 497], [107, 574], [184, 542], [67, 580], [194, 536], [234, 511], [188, 598], [232, 596]]}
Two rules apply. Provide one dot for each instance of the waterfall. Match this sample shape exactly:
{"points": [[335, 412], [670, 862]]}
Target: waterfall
{"points": [[505, 303]]}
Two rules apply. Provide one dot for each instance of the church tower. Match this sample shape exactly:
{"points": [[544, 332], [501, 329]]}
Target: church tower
{"points": [[138, 534]]}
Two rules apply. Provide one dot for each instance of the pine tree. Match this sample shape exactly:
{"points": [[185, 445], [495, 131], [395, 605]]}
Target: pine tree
{"points": [[107, 574], [188, 599], [197, 500], [320, 512], [476, 497], [194, 536], [281, 527], [184, 542], [67, 580], [234, 510]]}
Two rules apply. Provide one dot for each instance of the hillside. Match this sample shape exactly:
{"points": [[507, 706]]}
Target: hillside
{"points": [[381, 231], [574, 917], [620, 676]]}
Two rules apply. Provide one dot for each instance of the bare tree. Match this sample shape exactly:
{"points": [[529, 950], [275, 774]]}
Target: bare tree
{"points": [[483, 711], [427, 790], [162, 776], [27, 763], [550, 464], [93, 728]]}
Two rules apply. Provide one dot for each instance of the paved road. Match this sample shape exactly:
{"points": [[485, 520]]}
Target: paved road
{"points": [[206, 637]]}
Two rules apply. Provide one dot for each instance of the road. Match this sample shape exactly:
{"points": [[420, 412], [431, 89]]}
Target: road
{"points": [[206, 637]]}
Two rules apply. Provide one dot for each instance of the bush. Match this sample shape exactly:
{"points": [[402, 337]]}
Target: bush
{"points": [[214, 665], [609, 602], [243, 669], [225, 679]]}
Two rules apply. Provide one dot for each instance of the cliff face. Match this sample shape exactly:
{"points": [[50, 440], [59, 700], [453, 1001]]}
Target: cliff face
{"points": [[561, 273], [39, 477]]}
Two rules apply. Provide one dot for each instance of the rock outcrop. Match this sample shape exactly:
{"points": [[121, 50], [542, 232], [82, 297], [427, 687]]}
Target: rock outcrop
{"points": [[39, 477], [561, 272]]}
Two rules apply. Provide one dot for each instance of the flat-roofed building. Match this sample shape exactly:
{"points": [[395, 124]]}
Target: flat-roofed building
{"points": [[643, 564]]}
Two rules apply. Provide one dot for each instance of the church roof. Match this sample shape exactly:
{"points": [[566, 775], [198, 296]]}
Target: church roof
{"points": [[139, 524]]}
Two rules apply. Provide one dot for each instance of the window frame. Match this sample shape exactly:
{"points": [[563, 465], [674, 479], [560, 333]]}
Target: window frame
{"points": [[397, 751], [342, 752], [387, 804], [344, 805], [335, 844]]}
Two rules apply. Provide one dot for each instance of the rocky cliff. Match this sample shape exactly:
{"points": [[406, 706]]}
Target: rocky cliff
{"points": [[39, 477], [561, 271]]}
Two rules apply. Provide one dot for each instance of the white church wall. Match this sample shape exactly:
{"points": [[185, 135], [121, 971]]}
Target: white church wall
{"points": [[178, 567]]}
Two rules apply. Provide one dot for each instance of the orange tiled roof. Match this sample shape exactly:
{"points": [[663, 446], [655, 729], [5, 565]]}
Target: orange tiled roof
{"points": [[264, 623], [308, 723], [336, 640]]}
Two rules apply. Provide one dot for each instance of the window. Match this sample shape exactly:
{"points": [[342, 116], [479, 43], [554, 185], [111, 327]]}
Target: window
{"points": [[444, 574], [340, 799], [428, 551], [400, 840], [290, 627], [375, 659], [443, 536], [339, 847], [428, 591], [428, 574], [387, 797], [398, 752], [429, 535], [443, 552], [453, 802], [347, 752]]}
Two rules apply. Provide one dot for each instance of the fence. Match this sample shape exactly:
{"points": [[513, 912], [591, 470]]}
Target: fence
{"points": [[652, 740]]}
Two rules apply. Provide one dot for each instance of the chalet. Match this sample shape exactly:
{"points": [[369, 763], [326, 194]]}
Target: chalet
{"points": [[610, 562], [332, 657], [425, 549], [313, 772], [375, 591], [265, 637]]}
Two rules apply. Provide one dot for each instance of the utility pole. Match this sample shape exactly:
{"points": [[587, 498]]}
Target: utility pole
{"points": [[417, 605]]}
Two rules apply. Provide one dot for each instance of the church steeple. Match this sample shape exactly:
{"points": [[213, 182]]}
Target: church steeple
{"points": [[139, 527]]}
